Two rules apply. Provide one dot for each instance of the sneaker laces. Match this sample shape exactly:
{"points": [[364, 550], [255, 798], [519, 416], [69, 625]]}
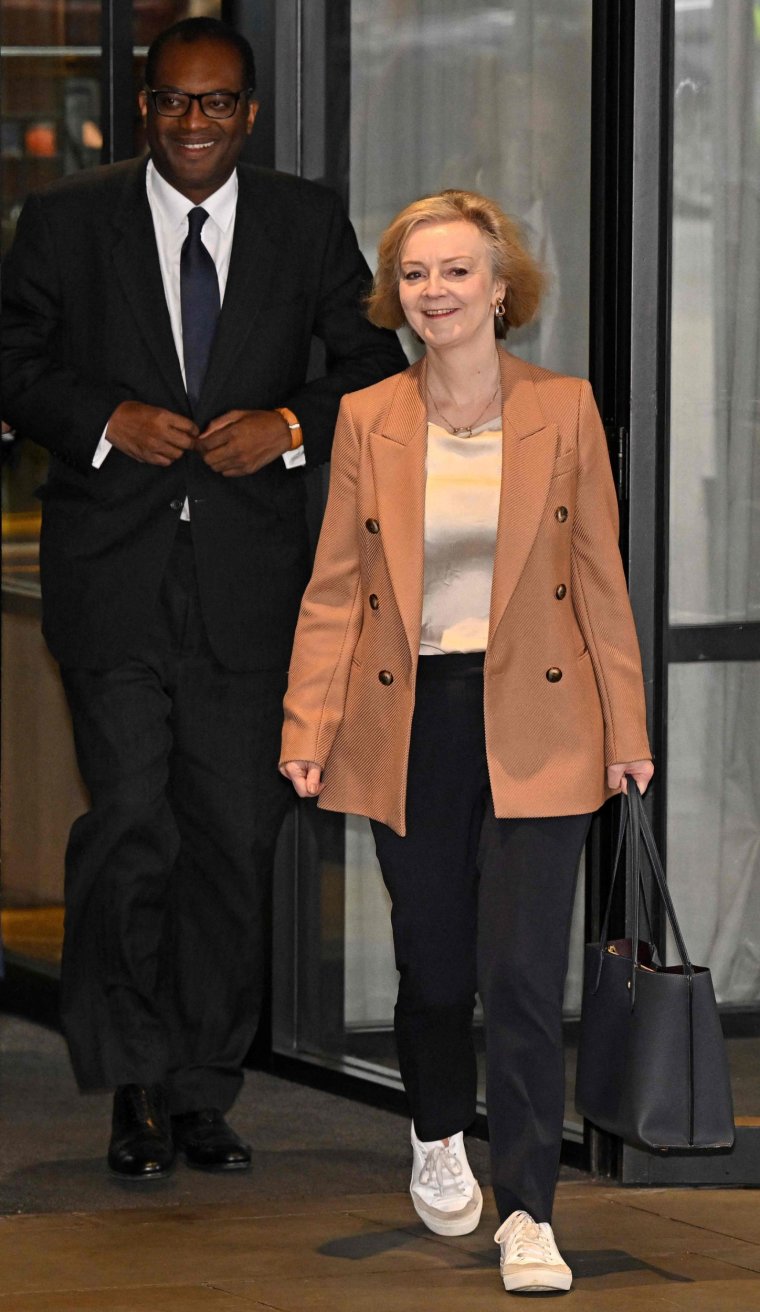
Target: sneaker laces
{"points": [[527, 1241], [439, 1159]]}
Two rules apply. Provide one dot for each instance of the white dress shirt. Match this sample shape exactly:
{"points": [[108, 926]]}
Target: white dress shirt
{"points": [[169, 209]]}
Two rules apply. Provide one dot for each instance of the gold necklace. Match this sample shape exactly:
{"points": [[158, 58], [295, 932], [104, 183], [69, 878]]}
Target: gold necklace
{"points": [[466, 429]]}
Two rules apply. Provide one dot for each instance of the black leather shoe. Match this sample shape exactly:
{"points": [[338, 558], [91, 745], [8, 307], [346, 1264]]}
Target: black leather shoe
{"points": [[141, 1145], [208, 1143]]}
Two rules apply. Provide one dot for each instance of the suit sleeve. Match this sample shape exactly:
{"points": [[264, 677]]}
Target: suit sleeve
{"points": [[601, 594], [356, 353], [44, 398], [330, 620]]}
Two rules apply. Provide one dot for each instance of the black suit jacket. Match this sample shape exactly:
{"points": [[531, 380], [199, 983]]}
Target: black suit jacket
{"points": [[86, 326]]}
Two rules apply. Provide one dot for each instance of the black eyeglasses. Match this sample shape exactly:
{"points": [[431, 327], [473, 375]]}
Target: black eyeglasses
{"points": [[214, 104]]}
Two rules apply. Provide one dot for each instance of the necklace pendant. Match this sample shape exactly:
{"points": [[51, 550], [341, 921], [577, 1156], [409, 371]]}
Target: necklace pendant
{"points": [[462, 432]]}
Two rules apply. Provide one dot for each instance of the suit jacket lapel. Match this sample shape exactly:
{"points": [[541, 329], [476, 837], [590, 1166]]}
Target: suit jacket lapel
{"points": [[135, 257], [247, 294], [398, 463], [529, 446]]}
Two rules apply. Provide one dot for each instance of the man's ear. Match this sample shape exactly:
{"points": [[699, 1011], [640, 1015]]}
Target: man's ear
{"points": [[253, 109], [142, 101]]}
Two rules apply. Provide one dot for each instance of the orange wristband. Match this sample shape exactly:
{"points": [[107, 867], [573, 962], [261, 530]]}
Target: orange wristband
{"points": [[296, 436]]}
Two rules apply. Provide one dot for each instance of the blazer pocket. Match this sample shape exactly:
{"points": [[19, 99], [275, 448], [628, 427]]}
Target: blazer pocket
{"points": [[565, 463]]}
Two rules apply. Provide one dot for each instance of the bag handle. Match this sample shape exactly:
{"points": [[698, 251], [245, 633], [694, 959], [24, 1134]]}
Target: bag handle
{"points": [[640, 820], [633, 864], [634, 826]]}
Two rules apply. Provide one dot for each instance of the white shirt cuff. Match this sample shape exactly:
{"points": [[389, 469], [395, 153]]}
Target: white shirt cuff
{"points": [[294, 458], [101, 450]]}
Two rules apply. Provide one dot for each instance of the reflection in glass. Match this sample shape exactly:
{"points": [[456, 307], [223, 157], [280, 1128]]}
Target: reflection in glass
{"points": [[715, 371], [713, 842]]}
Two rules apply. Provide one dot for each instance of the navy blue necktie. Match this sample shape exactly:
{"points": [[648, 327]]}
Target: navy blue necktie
{"points": [[199, 296]]}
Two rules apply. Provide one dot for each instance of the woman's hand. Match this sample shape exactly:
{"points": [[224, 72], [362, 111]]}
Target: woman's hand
{"points": [[305, 776], [641, 771]]}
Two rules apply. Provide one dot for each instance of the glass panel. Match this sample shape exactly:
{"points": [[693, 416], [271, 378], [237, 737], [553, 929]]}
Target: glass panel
{"points": [[51, 69], [713, 840], [715, 368]]}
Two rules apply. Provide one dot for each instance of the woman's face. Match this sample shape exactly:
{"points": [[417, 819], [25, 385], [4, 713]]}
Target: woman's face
{"points": [[447, 288]]}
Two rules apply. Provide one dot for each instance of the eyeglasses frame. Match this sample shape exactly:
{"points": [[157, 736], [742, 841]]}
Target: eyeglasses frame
{"points": [[200, 97]]}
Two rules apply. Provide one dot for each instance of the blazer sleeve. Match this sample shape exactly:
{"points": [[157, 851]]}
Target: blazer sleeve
{"points": [[44, 398], [330, 619], [601, 594], [356, 353]]}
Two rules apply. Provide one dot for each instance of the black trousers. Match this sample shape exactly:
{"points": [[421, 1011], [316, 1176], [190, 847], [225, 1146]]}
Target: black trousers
{"points": [[485, 905], [167, 876]]}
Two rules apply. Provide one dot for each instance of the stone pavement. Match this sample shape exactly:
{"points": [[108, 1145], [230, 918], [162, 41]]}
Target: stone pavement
{"points": [[643, 1251], [323, 1221]]}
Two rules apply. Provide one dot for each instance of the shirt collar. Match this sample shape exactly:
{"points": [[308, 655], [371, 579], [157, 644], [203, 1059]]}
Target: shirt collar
{"points": [[175, 207]]}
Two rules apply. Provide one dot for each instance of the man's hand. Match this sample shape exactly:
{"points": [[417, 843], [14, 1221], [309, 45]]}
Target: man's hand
{"points": [[242, 441], [149, 434]]}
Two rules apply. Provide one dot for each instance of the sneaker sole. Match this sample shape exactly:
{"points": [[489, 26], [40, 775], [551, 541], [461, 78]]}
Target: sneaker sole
{"points": [[542, 1283], [457, 1225]]}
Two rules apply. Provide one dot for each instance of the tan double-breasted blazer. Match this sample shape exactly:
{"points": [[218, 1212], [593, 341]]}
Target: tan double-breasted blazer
{"points": [[564, 694]]}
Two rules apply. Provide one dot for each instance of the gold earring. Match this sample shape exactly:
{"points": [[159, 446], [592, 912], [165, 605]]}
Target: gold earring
{"points": [[500, 310]]}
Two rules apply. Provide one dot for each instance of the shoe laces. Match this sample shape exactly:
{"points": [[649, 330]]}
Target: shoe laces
{"points": [[525, 1240], [439, 1160]]}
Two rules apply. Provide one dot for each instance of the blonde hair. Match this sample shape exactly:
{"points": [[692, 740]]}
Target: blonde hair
{"points": [[511, 261]]}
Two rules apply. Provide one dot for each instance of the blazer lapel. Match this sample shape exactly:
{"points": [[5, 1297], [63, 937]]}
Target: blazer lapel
{"points": [[529, 447], [398, 464], [135, 257], [247, 294]]}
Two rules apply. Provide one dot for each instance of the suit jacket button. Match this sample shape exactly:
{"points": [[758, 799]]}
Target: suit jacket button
{"points": [[385, 677], [560, 592], [176, 504], [372, 526], [553, 674], [561, 514], [373, 601]]}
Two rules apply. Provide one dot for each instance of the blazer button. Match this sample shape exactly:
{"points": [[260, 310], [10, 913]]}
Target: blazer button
{"points": [[176, 504], [561, 514], [372, 526], [373, 601], [385, 677], [560, 592], [553, 674]]}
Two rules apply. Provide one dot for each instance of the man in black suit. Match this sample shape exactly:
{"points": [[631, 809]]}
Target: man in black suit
{"points": [[157, 327]]}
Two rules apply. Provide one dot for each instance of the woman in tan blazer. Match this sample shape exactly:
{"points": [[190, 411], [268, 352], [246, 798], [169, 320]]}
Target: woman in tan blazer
{"points": [[466, 673]]}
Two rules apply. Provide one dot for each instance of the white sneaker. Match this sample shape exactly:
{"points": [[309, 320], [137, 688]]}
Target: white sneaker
{"points": [[530, 1261], [445, 1193]]}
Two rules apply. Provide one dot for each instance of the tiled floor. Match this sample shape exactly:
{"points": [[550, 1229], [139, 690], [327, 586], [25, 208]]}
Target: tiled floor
{"points": [[698, 1251]]}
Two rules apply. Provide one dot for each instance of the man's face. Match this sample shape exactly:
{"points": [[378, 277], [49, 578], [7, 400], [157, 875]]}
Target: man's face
{"points": [[194, 153]]}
